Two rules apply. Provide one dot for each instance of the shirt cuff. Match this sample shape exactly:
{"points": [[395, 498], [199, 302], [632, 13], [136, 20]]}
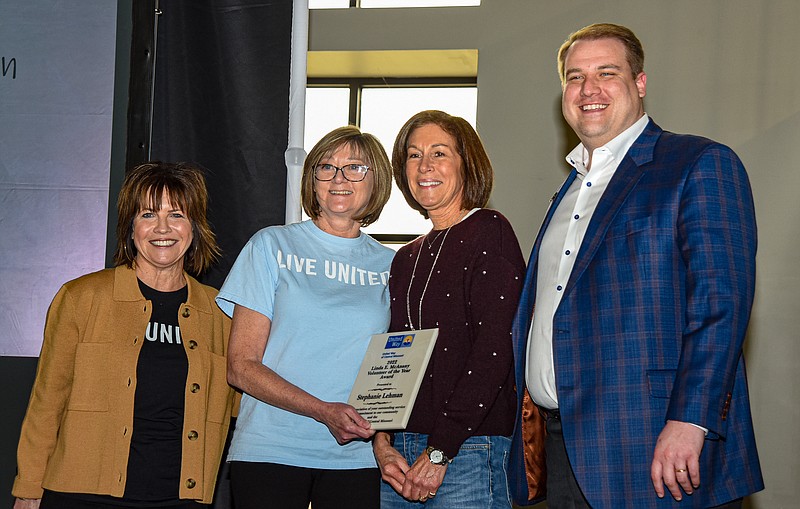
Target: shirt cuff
{"points": [[705, 430]]}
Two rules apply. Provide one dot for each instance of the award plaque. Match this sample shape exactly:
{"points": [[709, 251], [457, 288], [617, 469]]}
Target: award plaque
{"points": [[390, 376]]}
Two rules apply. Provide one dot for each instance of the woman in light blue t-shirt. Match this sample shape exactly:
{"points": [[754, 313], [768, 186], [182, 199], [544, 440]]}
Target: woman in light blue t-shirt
{"points": [[305, 299]]}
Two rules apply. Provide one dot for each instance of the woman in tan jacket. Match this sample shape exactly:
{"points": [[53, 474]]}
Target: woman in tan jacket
{"points": [[131, 407]]}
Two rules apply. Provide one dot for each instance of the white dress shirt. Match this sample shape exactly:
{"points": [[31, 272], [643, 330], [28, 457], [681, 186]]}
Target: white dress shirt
{"points": [[560, 245]]}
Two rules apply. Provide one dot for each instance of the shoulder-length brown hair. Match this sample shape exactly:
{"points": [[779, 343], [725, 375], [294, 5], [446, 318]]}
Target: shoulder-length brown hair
{"points": [[476, 168], [367, 147], [185, 185]]}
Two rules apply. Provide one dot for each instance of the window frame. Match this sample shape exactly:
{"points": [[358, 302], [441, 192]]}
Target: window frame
{"points": [[356, 4], [357, 85]]}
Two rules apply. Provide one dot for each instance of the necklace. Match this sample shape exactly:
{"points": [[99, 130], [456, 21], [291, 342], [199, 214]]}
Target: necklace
{"points": [[425, 288], [435, 238]]}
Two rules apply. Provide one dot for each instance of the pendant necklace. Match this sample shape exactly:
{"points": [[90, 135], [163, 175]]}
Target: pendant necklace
{"points": [[435, 238], [425, 288]]}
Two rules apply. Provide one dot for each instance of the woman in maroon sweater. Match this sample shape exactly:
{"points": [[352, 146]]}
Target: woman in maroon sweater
{"points": [[463, 277]]}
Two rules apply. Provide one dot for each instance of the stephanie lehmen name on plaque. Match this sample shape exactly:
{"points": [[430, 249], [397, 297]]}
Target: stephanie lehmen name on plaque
{"points": [[390, 376]]}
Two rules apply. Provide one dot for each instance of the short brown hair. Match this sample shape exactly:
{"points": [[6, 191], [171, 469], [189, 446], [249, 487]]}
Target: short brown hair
{"points": [[144, 187], [476, 169], [633, 48], [370, 150]]}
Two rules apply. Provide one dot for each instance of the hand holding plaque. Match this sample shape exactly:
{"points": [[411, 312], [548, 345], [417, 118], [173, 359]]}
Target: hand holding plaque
{"points": [[390, 376]]}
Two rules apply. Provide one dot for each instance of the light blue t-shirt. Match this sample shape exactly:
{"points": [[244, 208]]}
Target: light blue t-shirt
{"points": [[325, 295]]}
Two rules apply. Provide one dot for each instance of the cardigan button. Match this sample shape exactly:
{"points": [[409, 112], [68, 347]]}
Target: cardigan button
{"points": [[192, 435], [186, 313], [191, 483], [195, 387], [192, 344]]}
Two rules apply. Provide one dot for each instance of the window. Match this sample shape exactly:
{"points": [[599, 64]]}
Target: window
{"points": [[381, 110], [443, 80]]}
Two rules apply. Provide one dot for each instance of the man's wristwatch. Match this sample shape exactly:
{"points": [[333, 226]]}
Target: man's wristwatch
{"points": [[436, 456]]}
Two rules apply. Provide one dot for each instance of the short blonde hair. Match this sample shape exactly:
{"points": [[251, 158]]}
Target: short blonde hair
{"points": [[370, 150]]}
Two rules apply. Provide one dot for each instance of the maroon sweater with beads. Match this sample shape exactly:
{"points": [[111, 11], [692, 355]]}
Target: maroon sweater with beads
{"points": [[471, 297]]}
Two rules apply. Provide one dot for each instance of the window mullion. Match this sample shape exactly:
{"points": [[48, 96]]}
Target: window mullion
{"points": [[354, 112]]}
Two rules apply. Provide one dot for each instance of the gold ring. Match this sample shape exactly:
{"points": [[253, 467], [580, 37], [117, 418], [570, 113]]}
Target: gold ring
{"points": [[431, 494], [679, 470]]}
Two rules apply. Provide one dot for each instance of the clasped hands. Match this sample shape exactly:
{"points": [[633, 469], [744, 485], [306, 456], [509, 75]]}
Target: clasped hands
{"points": [[417, 482]]}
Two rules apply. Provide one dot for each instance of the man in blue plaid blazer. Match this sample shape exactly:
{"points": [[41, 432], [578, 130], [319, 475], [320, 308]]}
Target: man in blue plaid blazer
{"points": [[629, 333]]}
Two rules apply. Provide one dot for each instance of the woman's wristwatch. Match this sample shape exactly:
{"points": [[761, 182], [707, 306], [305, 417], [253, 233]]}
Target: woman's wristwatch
{"points": [[436, 456]]}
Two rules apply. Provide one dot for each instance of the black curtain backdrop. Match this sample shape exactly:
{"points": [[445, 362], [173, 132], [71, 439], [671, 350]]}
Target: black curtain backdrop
{"points": [[221, 100]]}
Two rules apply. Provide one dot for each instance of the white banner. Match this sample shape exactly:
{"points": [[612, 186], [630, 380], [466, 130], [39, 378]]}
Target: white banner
{"points": [[56, 97]]}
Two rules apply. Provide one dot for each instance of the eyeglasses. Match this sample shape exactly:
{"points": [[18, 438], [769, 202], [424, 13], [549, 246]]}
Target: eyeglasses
{"points": [[351, 172]]}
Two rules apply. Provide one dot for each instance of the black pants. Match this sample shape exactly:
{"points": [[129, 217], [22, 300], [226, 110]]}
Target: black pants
{"points": [[268, 485], [56, 500], [563, 491]]}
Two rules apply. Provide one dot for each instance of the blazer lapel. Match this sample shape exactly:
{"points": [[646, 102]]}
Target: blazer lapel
{"points": [[522, 321], [530, 280], [625, 178]]}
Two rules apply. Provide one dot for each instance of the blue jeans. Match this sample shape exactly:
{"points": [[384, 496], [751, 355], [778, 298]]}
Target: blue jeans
{"points": [[476, 479]]}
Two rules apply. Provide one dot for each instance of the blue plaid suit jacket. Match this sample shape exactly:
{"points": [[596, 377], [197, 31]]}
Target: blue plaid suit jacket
{"points": [[651, 325]]}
